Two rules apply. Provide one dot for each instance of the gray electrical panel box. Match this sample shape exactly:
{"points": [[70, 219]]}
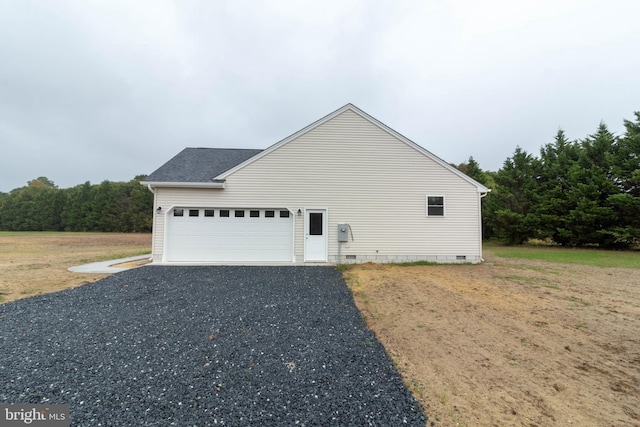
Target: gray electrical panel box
{"points": [[343, 232]]}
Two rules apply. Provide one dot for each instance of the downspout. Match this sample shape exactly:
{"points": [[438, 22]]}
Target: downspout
{"points": [[153, 224], [482, 195]]}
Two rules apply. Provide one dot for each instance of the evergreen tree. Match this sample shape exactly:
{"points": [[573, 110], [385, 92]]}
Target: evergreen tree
{"points": [[511, 209], [472, 169], [626, 171], [553, 202], [591, 183], [626, 159]]}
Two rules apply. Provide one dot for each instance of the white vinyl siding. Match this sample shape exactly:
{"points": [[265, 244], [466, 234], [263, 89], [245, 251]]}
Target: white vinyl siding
{"points": [[367, 178]]}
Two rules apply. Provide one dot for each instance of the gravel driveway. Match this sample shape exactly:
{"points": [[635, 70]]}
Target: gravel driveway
{"points": [[161, 346]]}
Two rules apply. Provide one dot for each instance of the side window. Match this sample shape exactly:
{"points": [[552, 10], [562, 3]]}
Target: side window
{"points": [[435, 205]]}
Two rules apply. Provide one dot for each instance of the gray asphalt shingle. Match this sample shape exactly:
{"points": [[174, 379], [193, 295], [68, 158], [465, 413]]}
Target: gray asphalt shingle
{"points": [[200, 164]]}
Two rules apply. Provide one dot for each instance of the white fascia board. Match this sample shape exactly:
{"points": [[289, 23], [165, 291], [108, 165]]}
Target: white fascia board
{"points": [[183, 184]]}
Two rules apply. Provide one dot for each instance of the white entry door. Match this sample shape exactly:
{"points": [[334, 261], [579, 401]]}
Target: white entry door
{"points": [[315, 235]]}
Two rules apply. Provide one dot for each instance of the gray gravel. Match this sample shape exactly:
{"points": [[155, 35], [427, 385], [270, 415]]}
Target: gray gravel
{"points": [[161, 346]]}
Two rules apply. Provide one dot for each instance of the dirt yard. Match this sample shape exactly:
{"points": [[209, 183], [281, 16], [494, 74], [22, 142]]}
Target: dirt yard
{"points": [[36, 263], [511, 342]]}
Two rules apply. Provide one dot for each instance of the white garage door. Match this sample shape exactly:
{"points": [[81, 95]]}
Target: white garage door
{"points": [[229, 235]]}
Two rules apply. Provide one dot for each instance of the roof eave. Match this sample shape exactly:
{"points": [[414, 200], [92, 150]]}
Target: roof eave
{"points": [[164, 184]]}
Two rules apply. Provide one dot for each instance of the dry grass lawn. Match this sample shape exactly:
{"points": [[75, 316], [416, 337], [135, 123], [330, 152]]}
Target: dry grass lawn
{"points": [[511, 342], [35, 263]]}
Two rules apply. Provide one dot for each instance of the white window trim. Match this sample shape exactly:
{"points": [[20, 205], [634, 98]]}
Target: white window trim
{"points": [[444, 205]]}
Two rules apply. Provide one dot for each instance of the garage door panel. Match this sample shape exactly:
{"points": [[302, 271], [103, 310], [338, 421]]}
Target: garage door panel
{"points": [[229, 239]]}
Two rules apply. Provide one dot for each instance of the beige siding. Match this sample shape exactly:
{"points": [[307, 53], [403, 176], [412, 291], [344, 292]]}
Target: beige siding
{"points": [[365, 177]]}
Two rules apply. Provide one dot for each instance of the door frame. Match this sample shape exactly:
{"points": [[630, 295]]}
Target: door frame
{"points": [[325, 232]]}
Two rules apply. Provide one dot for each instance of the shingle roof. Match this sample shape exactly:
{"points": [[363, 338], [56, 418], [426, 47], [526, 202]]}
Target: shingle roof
{"points": [[200, 164]]}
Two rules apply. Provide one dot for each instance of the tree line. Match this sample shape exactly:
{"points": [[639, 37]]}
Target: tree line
{"points": [[108, 206], [575, 193]]}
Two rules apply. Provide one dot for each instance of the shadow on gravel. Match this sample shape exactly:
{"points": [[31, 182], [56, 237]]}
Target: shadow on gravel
{"points": [[203, 346]]}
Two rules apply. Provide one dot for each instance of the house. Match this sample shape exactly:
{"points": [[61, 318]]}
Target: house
{"points": [[345, 189]]}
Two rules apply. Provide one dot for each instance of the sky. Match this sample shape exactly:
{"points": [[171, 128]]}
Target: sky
{"points": [[108, 90]]}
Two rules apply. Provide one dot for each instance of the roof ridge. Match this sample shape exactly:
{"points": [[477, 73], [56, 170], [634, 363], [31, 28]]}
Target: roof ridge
{"points": [[222, 148]]}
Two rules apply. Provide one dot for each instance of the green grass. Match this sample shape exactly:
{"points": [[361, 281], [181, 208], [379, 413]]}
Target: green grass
{"points": [[342, 267], [413, 263], [592, 257], [28, 233]]}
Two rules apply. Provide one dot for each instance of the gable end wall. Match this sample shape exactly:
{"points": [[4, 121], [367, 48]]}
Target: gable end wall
{"points": [[365, 177]]}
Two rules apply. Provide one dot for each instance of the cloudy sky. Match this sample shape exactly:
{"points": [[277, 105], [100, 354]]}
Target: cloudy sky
{"points": [[107, 90]]}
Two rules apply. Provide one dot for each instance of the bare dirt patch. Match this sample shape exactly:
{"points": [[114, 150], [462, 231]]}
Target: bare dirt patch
{"points": [[132, 264], [511, 341], [35, 263]]}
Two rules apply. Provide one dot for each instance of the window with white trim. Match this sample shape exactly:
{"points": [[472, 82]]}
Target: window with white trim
{"points": [[435, 205]]}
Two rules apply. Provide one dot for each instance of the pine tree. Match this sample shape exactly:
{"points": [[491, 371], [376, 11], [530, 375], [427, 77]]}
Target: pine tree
{"points": [[591, 182], [626, 171], [553, 202], [511, 210]]}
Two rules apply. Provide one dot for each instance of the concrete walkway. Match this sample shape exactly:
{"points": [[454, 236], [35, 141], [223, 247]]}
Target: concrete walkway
{"points": [[105, 267]]}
